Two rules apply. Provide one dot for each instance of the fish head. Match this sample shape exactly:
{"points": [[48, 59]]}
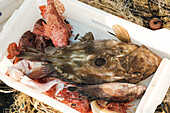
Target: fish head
{"points": [[140, 64]]}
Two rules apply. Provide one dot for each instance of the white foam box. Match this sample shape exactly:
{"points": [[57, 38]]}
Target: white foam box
{"points": [[7, 7], [85, 18]]}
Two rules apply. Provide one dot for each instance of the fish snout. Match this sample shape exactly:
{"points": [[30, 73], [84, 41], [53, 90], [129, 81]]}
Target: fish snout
{"points": [[141, 90]]}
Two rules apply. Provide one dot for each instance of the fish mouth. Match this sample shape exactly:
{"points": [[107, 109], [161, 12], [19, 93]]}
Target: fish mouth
{"points": [[141, 90]]}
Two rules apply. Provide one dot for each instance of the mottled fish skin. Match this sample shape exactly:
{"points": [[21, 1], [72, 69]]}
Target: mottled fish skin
{"points": [[140, 64], [100, 61], [118, 92], [56, 28]]}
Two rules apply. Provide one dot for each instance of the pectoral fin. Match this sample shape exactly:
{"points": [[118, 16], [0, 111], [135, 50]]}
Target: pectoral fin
{"points": [[40, 72]]}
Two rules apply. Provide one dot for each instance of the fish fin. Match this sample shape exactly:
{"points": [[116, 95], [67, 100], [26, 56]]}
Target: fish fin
{"points": [[40, 72], [32, 54], [87, 37], [32, 49], [121, 33]]}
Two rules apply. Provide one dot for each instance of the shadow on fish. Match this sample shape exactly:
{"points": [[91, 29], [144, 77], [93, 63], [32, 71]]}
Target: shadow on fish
{"points": [[96, 61]]}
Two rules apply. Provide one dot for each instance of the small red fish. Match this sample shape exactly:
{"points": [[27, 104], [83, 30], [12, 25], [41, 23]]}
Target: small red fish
{"points": [[56, 28]]}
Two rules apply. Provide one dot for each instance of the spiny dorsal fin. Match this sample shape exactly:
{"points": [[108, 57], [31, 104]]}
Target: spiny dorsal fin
{"points": [[87, 37]]}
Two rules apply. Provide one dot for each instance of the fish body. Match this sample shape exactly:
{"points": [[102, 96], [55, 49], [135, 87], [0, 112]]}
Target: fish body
{"points": [[119, 92], [100, 61], [55, 27]]}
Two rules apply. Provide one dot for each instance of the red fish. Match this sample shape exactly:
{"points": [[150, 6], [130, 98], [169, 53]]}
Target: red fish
{"points": [[56, 28]]}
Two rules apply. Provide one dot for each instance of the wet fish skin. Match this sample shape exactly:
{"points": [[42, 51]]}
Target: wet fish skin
{"points": [[118, 92], [100, 61], [140, 64], [56, 28], [77, 60]]}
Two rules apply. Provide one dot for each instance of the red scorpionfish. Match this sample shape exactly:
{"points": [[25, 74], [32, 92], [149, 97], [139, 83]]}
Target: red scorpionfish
{"points": [[55, 27]]}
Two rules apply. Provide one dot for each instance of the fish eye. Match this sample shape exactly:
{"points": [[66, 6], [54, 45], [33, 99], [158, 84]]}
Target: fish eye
{"points": [[99, 62]]}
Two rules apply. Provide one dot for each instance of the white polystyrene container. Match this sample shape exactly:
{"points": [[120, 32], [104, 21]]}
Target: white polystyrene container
{"points": [[7, 7], [85, 18]]}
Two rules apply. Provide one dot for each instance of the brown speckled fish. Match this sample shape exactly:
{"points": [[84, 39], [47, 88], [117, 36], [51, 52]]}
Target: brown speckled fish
{"points": [[119, 92], [99, 61]]}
